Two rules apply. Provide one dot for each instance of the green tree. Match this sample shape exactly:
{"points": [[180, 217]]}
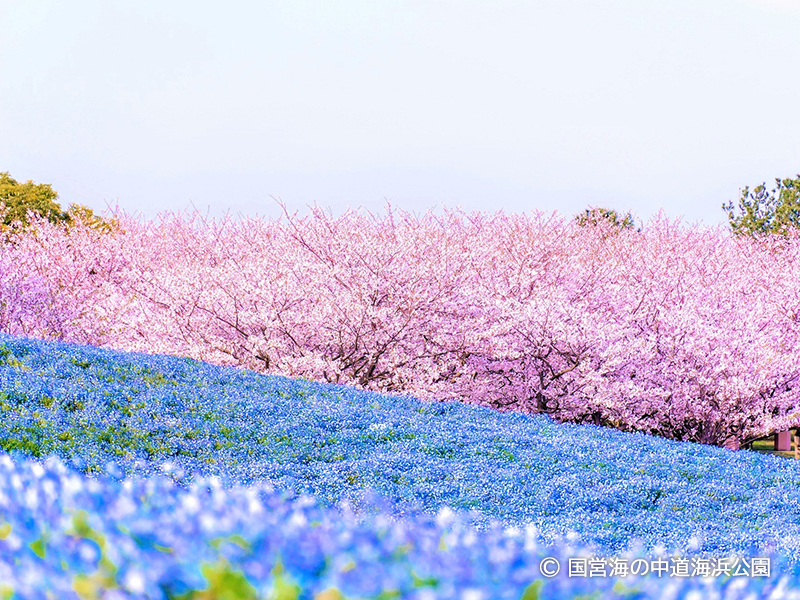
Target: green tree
{"points": [[18, 199], [596, 216], [78, 213], [761, 211]]}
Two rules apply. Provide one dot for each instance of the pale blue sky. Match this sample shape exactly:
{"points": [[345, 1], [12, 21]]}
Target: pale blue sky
{"points": [[546, 104]]}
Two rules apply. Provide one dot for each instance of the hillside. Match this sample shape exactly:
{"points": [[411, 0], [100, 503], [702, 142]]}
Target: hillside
{"points": [[132, 417]]}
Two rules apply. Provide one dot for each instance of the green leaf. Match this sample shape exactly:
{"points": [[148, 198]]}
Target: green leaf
{"points": [[283, 589], [532, 591], [38, 547], [224, 583]]}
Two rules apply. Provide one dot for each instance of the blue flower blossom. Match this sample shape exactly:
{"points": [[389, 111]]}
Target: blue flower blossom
{"points": [[136, 476]]}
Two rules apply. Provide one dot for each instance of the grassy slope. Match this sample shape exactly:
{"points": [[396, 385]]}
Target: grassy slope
{"points": [[110, 411]]}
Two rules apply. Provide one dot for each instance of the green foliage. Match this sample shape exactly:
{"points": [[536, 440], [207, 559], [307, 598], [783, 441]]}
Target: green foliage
{"points": [[78, 213], [38, 547], [607, 216], [761, 212], [92, 586], [224, 583], [17, 200], [532, 591]]}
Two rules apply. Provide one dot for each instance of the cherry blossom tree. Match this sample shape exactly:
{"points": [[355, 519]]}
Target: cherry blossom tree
{"points": [[678, 331]]}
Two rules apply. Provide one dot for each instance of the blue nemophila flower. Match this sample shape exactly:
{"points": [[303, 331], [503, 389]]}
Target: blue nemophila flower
{"points": [[181, 474], [149, 538]]}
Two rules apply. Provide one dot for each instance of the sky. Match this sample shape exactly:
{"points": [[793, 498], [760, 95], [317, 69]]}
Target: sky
{"points": [[537, 105]]}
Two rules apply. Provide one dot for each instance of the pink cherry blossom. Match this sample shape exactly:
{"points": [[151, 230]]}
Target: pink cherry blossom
{"points": [[683, 332]]}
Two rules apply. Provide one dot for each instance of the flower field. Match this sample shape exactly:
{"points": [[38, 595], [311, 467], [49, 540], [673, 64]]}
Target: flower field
{"points": [[144, 476], [684, 333]]}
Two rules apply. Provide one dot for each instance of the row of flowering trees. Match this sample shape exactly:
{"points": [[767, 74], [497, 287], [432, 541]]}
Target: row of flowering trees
{"points": [[687, 333]]}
